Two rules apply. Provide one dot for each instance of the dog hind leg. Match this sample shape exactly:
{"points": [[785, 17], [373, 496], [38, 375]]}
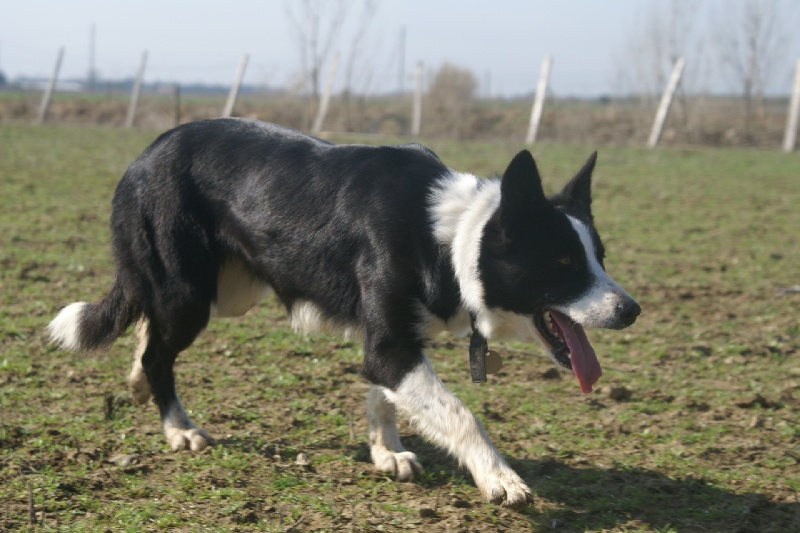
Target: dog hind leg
{"points": [[157, 360], [137, 379], [443, 419], [387, 452], [181, 434]]}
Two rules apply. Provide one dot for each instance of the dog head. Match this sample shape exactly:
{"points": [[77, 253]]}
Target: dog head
{"points": [[542, 258]]}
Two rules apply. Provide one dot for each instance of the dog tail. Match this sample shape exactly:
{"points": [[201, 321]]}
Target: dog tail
{"points": [[82, 326]]}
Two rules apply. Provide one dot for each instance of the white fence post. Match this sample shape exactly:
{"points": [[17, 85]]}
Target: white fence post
{"points": [[666, 102], [137, 87], [538, 100], [326, 96], [51, 85], [416, 111], [234, 92], [790, 135]]}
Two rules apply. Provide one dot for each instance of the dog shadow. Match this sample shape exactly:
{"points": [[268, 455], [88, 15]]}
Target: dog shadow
{"points": [[607, 497], [597, 498]]}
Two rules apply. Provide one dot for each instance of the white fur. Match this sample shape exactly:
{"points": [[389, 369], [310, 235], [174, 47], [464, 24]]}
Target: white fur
{"points": [[508, 326], [181, 434], [237, 291], [386, 450], [193, 438], [307, 317], [65, 327], [137, 380], [597, 307], [460, 208], [443, 419]]}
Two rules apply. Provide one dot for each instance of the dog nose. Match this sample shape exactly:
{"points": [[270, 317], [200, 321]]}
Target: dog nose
{"points": [[627, 311]]}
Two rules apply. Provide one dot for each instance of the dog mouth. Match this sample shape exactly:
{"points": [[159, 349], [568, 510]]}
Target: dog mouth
{"points": [[569, 347]]}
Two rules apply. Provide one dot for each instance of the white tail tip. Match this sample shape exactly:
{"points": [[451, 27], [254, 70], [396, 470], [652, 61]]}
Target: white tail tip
{"points": [[65, 328]]}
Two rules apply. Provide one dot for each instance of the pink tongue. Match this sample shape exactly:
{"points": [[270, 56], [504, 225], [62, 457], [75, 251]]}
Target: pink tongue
{"points": [[584, 361]]}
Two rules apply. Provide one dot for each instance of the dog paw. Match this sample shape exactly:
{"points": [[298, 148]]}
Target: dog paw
{"points": [[402, 466], [194, 439], [507, 489], [140, 390]]}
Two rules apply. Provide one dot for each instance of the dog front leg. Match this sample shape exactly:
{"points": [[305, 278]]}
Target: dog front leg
{"points": [[387, 452], [443, 419]]}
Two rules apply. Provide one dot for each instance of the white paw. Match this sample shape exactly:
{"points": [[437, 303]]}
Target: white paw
{"points": [[506, 488], [139, 388], [194, 439], [403, 466]]}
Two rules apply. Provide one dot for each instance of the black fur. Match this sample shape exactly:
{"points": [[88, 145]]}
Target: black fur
{"points": [[381, 239], [346, 227], [527, 236], [211, 191]]}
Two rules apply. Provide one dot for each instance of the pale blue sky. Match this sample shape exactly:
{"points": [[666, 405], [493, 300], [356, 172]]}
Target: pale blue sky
{"points": [[501, 41]]}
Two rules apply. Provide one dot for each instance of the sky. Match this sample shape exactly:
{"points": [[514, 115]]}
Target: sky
{"points": [[502, 42]]}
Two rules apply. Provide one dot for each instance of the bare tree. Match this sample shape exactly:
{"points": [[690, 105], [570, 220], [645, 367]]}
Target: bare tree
{"points": [[355, 56], [751, 44], [662, 35], [317, 24], [356, 60]]}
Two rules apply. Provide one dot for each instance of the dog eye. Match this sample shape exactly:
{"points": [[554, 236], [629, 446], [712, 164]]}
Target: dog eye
{"points": [[566, 260]]}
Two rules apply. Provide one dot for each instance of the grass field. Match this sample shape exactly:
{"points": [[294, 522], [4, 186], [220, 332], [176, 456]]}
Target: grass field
{"points": [[695, 426]]}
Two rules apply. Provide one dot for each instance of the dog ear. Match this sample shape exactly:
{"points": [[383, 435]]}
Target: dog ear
{"points": [[521, 201], [521, 187], [579, 189]]}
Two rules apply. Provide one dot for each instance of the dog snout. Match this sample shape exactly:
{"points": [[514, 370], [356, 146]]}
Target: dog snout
{"points": [[627, 311]]}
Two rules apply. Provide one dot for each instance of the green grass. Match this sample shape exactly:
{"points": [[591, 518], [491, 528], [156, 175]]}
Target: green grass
{"points": [[709, 439]]}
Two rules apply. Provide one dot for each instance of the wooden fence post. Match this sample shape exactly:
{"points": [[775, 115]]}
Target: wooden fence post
{"points": [[666, 102], [51, 85], [416, 111], [137, 87], [237, 82], [790, 135], [326, 96], [538, 100]]}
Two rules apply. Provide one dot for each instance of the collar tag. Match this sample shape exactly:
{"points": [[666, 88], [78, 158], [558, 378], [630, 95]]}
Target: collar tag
{"points": [[493, 362], [482, 360]]}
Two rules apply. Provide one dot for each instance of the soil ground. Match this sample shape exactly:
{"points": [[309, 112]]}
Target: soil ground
{"points": [[694, 426]]}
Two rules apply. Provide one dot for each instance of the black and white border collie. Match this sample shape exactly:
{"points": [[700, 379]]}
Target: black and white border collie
{"points": [[383, 242]]}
